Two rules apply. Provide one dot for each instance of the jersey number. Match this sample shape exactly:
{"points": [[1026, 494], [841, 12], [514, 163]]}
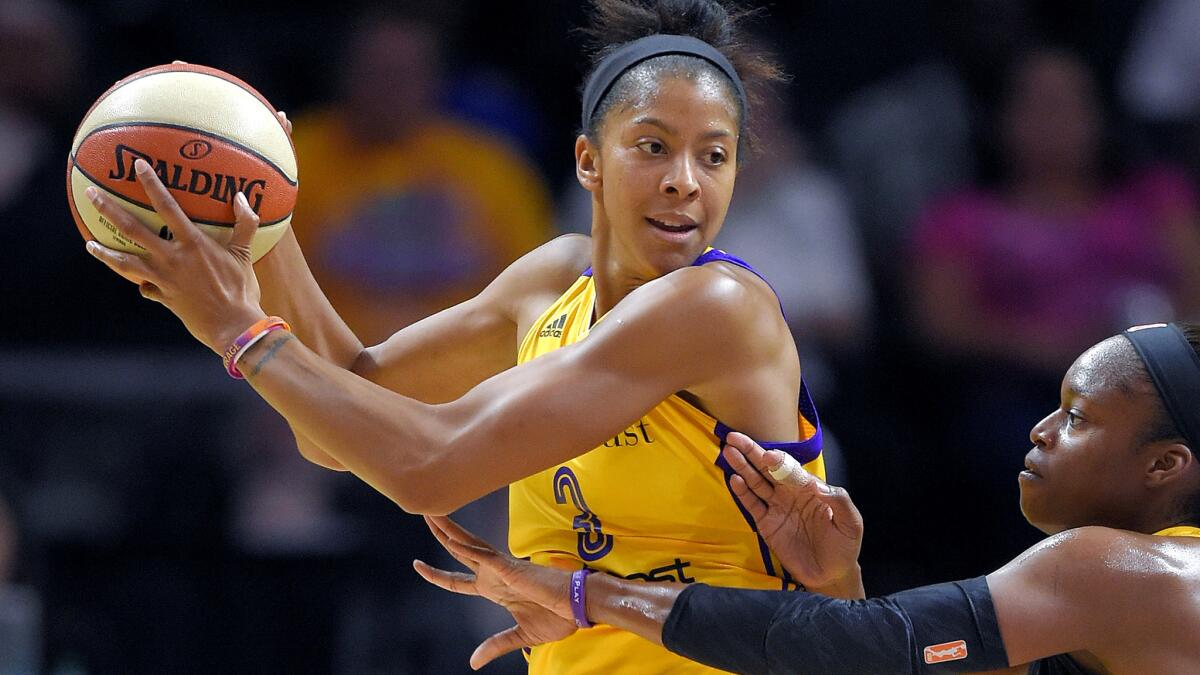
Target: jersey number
{"points": [[593, 543]]}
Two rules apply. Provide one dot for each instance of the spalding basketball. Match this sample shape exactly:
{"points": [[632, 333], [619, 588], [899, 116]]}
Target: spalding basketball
{"points": [[207, 135]]}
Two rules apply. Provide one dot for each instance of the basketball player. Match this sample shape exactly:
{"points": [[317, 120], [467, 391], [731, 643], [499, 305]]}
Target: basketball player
{"points": [[639, 344], [1113, 478]]}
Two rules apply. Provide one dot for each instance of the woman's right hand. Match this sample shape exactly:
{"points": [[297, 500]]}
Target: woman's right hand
{"points": [[812, 526], [535, 596]]}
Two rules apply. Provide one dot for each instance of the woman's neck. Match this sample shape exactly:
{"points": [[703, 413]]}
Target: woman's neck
{"points": [[612, 281], [612, 277]]}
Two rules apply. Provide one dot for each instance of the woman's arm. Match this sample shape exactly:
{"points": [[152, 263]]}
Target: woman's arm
{"points": [[435, 360], [734, 629], [1098, 589], [435, 458], [1103, 591], [289, 289]]}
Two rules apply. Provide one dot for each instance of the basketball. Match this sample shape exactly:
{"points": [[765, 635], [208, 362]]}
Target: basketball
{"points": [[208, 136]]}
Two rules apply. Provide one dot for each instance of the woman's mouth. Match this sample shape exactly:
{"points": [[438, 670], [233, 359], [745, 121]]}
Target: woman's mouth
{"points": [[1030, 472], [676, 228]]}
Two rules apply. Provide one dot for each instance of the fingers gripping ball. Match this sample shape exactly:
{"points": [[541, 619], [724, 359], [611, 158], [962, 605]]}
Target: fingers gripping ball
{"points": [[207, 135]]}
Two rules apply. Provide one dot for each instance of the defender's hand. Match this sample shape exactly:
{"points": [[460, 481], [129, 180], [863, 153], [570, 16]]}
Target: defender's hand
{"points": [[535, 596], [813, 527]]}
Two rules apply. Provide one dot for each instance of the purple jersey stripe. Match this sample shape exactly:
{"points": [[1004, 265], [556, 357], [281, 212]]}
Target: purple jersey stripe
{"points": [[803, 451]]}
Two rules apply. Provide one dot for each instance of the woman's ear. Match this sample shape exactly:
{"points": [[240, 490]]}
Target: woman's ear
{"points": [[1171, 462], [587, 163]]}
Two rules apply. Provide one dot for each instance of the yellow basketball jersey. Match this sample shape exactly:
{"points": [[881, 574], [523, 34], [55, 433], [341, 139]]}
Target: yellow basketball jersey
{"points": [[1179, 531], [653, 503]]}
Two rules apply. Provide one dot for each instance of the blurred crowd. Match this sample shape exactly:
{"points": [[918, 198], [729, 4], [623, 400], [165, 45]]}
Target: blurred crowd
{"points": [[954, 198]]}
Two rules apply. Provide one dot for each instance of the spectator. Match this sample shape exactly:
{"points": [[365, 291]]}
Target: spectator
{"points": [[1010, 281], [405, 208], [907, 137], [38, 36], [404, 211], [1060, 255]]}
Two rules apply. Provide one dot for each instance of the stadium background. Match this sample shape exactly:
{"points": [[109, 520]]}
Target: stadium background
{"points": [[158, 518]]}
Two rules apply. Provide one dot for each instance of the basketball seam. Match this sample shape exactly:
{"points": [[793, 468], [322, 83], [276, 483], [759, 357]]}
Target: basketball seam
{"points": [[181, 127], [150, 207], [136, 76], [166, 69]]}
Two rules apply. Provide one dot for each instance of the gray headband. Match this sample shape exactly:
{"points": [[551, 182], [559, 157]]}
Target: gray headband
{"points": [[1175, 370], [630, 54]]}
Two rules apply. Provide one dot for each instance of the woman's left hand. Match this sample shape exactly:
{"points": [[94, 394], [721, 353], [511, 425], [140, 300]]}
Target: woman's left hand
{"points": [[209, 286], [535, 596]]}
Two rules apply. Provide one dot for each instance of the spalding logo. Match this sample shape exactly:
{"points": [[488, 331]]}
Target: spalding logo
{"points": [[195, 149], [947, 651]]}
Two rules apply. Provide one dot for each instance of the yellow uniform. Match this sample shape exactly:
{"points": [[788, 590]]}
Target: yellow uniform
{"points": [[1179, 531], [653, 503]]}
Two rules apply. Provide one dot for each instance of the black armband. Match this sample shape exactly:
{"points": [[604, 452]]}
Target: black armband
{"points": [[944, 628]]}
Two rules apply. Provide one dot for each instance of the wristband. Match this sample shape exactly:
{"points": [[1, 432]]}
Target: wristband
{"points": [[579, 597], [253, 334]]}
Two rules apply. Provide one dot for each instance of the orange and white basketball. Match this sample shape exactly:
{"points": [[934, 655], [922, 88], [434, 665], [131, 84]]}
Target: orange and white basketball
{"points": [[207, 135]]}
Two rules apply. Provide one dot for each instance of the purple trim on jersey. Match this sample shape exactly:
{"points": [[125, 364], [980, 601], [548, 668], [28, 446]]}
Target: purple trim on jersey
{"points": [[763, 549], [717, 255], [803, 451]]}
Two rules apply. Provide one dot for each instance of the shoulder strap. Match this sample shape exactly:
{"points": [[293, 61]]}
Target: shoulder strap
{"points": [[803, 451]]}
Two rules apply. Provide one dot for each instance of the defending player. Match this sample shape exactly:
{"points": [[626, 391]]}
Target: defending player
{"points": [[1112, 477], [638, 342]]}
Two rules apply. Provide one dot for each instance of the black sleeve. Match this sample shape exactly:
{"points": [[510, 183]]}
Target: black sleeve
{"points": [[945, 628]]}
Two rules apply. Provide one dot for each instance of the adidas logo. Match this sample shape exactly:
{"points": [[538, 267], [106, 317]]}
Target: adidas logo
{"points": [[554, 328]]}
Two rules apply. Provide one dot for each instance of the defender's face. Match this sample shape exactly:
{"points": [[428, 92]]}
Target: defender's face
{"points": [[1085, 467], [667, 167]]}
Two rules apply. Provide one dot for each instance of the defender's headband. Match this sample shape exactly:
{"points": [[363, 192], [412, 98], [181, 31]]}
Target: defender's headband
{"points": [[630, 54], [1175, 370]]}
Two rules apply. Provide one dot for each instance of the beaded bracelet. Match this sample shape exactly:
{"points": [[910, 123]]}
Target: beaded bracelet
{"points": [[579, 597], [253, 334]]}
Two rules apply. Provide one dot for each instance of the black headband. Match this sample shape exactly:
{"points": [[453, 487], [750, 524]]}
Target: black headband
{"points": [[630, 54], [1175, 370]]}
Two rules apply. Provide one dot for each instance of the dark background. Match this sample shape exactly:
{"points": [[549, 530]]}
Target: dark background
{"points": [[127, 457]]}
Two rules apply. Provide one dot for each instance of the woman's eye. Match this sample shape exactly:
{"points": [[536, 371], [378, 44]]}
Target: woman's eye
{"points": [[652, 147], [716, 157]]}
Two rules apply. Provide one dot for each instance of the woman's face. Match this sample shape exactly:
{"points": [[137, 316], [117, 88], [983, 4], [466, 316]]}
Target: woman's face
{"points": [[1087, 463], [664, 174]]}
